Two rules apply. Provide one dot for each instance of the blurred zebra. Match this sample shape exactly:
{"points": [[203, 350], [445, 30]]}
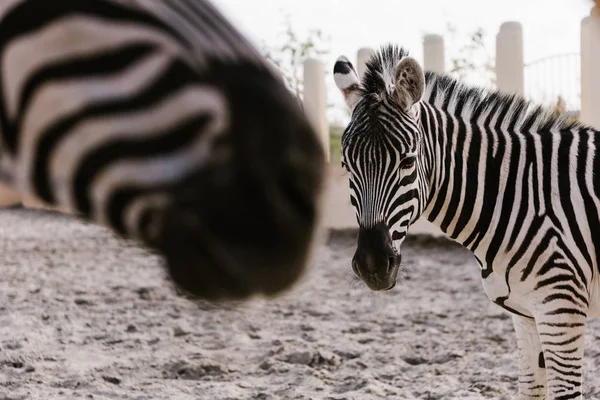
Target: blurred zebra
{"points": [[159, 120], [516, 185]]}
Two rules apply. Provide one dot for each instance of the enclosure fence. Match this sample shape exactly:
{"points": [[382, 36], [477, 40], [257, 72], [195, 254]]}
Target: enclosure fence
{"points": [[568, 82], [574, 78]]}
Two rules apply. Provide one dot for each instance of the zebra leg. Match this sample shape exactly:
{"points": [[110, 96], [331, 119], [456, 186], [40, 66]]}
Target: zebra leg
{"points": [[562, 337], [532, 372]]}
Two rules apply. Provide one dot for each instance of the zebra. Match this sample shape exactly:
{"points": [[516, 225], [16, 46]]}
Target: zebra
{"points": [[162, 122], [512, 182]]}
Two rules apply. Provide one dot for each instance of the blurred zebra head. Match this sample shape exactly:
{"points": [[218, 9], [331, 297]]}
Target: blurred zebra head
{"points": [[160, 120], [381, 148], [245, 225]]}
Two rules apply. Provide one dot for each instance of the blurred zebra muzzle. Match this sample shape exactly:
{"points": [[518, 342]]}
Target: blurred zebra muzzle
{"points": [[246, 226]]}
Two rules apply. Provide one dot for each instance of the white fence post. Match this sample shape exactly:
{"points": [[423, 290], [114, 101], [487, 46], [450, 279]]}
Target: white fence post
{"points": [[590, 69], [8, 196], [510, 71], [585, 70], [434, 56], [315, 99], [363, 55], [33, 202]]}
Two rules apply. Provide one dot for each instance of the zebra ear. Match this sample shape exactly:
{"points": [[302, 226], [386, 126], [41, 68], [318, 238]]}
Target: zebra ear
{"points": [[410, 83], [347, 81]]}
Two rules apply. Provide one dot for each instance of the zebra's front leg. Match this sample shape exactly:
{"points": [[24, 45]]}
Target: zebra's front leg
{"points": [[562, 333], [532, 371]]}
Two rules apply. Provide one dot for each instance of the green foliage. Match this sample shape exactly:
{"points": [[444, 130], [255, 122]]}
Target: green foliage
{"points": [[560, 108], [472, 57], [290, 52], [335, 143]]}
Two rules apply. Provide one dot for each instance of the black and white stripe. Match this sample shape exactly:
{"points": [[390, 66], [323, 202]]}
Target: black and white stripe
{"points": [[512, 182], [157, 119]]}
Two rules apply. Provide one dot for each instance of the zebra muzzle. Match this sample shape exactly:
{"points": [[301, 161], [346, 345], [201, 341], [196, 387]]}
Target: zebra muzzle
{"points": [[375, 261], [246, 226]]}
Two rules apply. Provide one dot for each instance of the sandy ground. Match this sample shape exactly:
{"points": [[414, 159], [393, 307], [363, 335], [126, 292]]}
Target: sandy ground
{"points": [[84, 315]]}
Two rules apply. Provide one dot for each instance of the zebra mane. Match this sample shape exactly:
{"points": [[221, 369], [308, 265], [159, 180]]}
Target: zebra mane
{"points": [[474, 103], [379, 74], [452, 96]]}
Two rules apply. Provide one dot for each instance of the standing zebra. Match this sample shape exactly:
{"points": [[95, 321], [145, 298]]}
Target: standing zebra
{"points": [[160, 121], [509, 181]]}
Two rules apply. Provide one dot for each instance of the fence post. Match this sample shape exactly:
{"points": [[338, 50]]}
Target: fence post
{"points": [[585, 70], [434, 57], [315, 100], [33, 202], [590, 69], [510, 71], [8, 196], [363, 55]]}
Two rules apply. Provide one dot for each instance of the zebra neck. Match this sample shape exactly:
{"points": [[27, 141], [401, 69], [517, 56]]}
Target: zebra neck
{"points": [[493, 161], [451, 151]]}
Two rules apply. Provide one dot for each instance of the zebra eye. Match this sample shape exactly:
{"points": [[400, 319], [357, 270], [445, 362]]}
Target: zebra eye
{"points": [[407, 163]]}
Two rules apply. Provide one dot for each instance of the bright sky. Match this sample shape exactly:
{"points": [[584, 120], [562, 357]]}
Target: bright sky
{"points": [[550, 26]]}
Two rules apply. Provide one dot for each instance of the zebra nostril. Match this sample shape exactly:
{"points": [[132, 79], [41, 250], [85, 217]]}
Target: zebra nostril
{"points": [[355, 267], [391, 263]]}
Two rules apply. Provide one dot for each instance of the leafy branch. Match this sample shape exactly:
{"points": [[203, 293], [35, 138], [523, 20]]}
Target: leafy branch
{"points": [[292, 50], [472, 57]]}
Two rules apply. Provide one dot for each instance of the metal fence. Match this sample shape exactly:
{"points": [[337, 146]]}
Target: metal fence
{"points": [[555, 81]]}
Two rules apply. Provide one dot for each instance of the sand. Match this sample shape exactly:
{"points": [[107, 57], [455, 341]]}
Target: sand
{"points": [[84, 315]]}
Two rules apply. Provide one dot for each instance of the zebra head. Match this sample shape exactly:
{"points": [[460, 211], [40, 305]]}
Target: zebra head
{"points": [[381, 149], [245, 225]]}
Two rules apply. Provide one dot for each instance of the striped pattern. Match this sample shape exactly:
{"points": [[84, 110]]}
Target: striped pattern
{"points": [[510, 181], [144, 116]]}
